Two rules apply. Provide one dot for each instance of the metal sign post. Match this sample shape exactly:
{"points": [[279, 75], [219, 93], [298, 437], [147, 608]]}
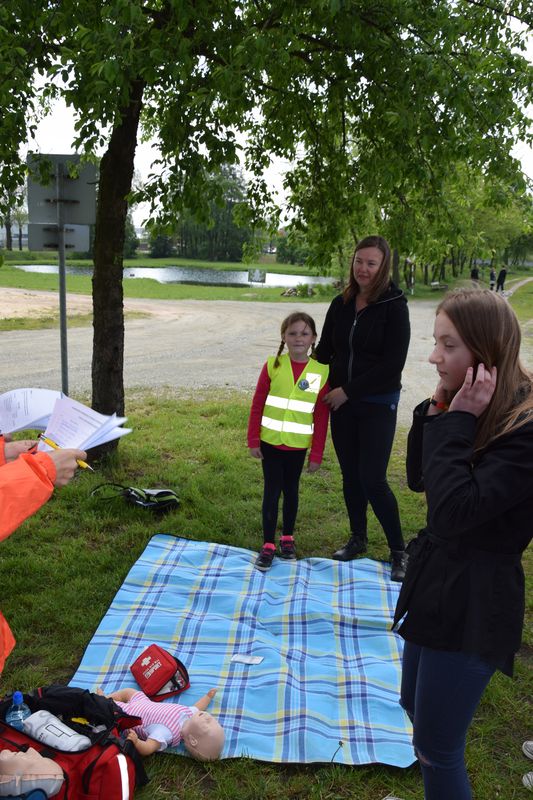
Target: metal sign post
{"points": [[53, 213], [62, 277]]}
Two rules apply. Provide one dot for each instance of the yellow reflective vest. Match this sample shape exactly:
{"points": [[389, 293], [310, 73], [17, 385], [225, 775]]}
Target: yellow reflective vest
{"points": [[288, 412]]}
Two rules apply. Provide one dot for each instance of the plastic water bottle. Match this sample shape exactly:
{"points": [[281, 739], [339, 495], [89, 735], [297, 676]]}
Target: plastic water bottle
{"points": [[17, 712]]}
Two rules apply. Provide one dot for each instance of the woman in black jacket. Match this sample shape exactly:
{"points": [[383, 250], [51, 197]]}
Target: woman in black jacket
{"points": [[462, 602], [365, 340]]}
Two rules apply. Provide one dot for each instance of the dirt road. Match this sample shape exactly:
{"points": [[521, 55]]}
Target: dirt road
{"points": [[187, 345]]}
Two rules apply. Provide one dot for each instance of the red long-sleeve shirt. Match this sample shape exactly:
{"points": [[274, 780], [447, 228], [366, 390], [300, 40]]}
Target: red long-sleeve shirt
{"points": [[320, 414]]}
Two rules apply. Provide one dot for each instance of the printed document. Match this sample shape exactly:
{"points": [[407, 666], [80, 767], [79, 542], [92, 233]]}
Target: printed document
{"points": [[74, 425], [22, 409], [63, 420]]}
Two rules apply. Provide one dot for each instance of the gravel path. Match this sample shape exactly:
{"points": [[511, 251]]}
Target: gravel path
{"points": [[187, 345]]}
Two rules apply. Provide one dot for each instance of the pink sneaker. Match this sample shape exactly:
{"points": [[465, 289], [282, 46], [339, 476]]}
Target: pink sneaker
{"points": [[287, 549], [265, 558]]}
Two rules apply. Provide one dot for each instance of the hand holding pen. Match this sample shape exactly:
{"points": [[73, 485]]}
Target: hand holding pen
{"points": [[66, 463], [77, 455]]}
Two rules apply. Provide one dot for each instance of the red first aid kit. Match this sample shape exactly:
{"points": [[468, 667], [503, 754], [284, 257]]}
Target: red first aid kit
{"points": [[159, 673], [101, 772], [108, 768]]}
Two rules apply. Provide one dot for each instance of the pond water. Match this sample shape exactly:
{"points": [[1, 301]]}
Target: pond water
{"points": [[213, 277]]}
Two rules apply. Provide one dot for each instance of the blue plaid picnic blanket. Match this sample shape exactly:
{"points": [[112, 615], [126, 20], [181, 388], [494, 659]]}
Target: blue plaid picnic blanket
{"points": [[330, 668]]}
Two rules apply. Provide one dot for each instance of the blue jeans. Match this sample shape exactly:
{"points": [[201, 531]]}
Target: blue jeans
{"points": [[440, 693]]}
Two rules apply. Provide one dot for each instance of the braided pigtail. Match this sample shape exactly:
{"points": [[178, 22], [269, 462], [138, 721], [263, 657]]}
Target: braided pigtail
{"points": [[312, 354], [280, 351]]}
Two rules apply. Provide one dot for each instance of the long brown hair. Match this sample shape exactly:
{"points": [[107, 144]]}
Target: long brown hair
{"points": [[296, 316], [489, 328], [382, 279]]}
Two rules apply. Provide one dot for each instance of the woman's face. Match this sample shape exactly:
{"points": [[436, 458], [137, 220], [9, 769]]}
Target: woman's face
{"points": [[451, 356], [366, 264]]}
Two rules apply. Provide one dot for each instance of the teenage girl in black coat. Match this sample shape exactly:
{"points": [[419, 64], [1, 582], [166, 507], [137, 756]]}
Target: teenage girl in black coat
{"points": [[365, 340], [462, 601]]}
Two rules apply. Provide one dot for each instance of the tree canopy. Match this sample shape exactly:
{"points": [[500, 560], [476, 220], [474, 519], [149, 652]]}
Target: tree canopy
{"points": [[368, 100]]}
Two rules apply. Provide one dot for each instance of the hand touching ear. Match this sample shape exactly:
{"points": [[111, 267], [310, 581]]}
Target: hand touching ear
{"points": [[474, 396]]}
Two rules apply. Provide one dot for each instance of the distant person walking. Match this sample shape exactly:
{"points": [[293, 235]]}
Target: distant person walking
{"points": [[474, 275], [492, 279], [500, 283]]}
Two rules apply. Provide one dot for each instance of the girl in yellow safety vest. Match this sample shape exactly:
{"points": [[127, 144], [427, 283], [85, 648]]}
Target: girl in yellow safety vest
{"points": [[287, 417]]}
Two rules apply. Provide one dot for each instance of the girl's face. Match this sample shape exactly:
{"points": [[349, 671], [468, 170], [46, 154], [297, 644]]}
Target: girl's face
{"points": [[299, 337], [366, 264], [451, 356]]}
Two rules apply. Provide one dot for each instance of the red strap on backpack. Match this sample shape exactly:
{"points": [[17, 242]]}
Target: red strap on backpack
{"points": [[159, 673]]}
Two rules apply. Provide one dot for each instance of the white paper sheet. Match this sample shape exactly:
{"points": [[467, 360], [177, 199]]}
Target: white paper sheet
{"points": [[241, 658], [23, 409], [74, 425]]}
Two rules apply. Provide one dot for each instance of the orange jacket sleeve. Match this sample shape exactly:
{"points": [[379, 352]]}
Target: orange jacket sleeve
{"points": [[7, 641], [25, 485]]}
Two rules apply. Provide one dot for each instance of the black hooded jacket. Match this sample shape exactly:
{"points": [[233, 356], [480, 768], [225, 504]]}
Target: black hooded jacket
{"points": [[464, 587], [366, 350]]}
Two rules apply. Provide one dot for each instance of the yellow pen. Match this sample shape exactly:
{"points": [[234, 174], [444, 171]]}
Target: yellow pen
{"points": [[55, 446]]}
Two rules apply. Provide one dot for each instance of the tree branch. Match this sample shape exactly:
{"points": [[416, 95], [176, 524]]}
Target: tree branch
{"points": [[503, 11]]}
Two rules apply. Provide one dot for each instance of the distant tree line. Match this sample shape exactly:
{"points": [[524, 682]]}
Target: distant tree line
{"points": [[477, 220], [220, 236]]}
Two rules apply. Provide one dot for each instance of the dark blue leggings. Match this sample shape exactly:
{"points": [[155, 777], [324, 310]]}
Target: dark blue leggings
{"points": [[440, 693]]}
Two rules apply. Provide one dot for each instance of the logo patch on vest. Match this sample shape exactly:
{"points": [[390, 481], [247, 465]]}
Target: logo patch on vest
{"points": [[312, 381]]}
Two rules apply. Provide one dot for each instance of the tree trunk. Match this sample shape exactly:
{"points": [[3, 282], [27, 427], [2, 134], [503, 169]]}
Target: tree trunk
{"points": [[116, 174], [9, 235], [396, 267], [343, 278], [453, 262]]}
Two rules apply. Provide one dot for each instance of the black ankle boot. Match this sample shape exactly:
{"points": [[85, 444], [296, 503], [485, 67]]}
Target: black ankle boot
{"points": [[398, 565], [355, 545]]}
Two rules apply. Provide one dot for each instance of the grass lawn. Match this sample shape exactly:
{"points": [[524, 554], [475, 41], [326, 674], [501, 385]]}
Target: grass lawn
{"points": [[61, 569], [145, 287]]}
